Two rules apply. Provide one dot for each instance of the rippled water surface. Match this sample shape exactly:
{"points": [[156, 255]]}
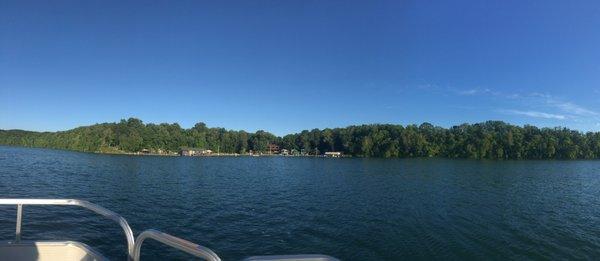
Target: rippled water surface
{"points": [[354, 209]]}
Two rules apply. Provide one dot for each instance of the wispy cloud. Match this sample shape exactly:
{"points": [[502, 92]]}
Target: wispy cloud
{"points": [[530, 104], [565, 109], [536, 114], [468, 92], [475, 91], [561, 105], [569, 107]]}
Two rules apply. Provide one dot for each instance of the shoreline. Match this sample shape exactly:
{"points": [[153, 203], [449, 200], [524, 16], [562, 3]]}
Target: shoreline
{"points": [[276, 155], [209, 155], [119, 152]]}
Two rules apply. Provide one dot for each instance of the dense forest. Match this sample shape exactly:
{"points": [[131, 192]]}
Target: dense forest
{"points": [[488, 140]]}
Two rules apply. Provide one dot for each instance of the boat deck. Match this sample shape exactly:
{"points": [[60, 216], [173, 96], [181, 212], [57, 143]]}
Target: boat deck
{"points": [[48, 251]]}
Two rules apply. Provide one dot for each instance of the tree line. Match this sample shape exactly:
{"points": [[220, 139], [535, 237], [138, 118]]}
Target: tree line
{"points": [[487, 140]]}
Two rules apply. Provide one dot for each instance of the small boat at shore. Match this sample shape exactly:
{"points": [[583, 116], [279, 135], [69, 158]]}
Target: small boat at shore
{"points": [[20, 250]]}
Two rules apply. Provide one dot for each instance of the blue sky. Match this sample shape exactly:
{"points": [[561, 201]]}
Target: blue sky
{"points": [[285, 66]]}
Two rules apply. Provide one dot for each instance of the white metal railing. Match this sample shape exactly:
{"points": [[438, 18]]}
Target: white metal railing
{"points": [[134, 245], [72, 202], [181, 244]]}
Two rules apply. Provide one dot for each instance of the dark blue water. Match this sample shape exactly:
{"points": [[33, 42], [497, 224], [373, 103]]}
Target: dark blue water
{"points": [[354, 209]]}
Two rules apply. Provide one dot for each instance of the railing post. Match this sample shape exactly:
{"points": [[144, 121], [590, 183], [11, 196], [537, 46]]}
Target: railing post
{"points": [[19, 218]]}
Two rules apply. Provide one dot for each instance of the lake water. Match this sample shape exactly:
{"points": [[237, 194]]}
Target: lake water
{"points": [[353, 209]]}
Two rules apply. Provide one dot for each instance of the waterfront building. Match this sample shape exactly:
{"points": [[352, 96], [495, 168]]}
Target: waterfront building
{"points": [[273, 148], [333, 154]]}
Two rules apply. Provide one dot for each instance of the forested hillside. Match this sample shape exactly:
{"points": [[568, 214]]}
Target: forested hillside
{"points": [[488, 140]]}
